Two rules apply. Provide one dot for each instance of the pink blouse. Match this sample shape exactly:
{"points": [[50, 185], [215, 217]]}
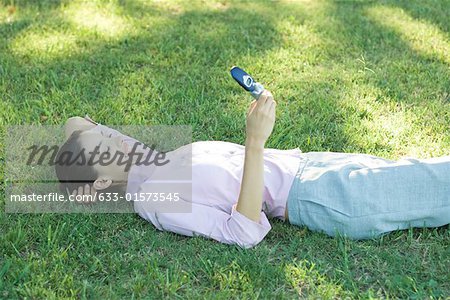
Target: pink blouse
{"points": [[217, 169]]}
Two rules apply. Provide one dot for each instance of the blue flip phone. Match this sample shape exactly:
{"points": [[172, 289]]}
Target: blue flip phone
{"points": [[247, 82]]}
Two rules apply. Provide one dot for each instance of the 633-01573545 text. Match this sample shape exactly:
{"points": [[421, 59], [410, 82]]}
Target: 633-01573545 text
{"points": [[97, 196]]}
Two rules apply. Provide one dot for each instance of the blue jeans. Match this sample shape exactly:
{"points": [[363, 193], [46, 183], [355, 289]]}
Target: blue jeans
{"points": [[363, 196]]}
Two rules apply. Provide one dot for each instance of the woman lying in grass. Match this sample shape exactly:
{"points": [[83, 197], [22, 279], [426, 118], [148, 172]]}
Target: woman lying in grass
{"points": [[235, 188]]}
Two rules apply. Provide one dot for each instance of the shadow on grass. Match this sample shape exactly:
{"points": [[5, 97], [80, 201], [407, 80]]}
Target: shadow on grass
{"points": [[200, 57], [41, 4], [8, 30], [182, 57], [434, 12], [403, 74], [59, 87]]}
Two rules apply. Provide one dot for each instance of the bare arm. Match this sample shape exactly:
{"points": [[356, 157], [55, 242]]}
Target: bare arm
{"points": [[260, 122]]}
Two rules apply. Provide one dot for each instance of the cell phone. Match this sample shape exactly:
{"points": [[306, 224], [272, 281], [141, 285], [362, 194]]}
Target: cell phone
{"points": [[247, 82]]}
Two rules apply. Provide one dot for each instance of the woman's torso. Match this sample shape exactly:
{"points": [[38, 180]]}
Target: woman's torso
{"points": [[216, 173]]}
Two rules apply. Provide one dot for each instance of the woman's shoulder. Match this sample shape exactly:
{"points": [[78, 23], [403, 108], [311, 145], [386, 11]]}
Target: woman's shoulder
{"points": [[216, 147]]}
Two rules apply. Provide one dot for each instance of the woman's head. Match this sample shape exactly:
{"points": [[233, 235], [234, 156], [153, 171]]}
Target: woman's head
{"points": [[94, 158]]}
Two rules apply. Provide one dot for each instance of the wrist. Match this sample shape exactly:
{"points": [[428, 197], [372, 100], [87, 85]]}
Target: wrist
{"points": [[254, 143]]}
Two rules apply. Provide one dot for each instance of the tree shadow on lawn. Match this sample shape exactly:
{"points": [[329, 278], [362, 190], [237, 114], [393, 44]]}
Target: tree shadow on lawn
{"points": [[426, 10], [414, 79], [41, 4], [170, 77], [190, 81], [358, 36], [404, 74], [8, 30], [171, 89], [102, 68], [378, 58], [199, 59]]}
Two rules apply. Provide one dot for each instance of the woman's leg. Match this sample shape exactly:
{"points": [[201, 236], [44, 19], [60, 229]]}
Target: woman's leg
{"points": [[362, 196]]}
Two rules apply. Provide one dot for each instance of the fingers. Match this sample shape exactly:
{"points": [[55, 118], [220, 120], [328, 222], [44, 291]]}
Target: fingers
{"points": [[80, 190], [86, 194], [264, 104], [268, 102], [263, 98], [89, 193], [273, 104], [272, 108], [93, 194], [251, 107], [269, 96], [74, 193]]}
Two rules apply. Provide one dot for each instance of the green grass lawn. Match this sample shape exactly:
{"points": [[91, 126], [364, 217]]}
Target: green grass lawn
{"points": [[349, 76]]}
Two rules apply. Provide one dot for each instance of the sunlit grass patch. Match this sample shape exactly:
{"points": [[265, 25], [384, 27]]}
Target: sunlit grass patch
{"points": [[3, 13], [44, 43], [297, 36], [104, 19], [393, 129], [298, 47], [309, 6], [309, 283], [7, 13], [234, 279], [423, 37], [388, 126]]}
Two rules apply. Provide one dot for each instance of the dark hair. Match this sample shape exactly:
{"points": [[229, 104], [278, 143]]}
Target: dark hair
{"points": [[72, 175]]}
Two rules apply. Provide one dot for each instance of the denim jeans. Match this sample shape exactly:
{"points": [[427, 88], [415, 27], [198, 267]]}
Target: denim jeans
{"points": [[363, 196]]}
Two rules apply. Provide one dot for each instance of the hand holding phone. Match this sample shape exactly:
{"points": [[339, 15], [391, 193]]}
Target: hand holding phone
{"points": [[247, 82], [261, 118]]}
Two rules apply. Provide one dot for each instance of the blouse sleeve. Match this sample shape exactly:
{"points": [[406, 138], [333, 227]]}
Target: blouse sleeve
{"points": [[210, 222]]}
